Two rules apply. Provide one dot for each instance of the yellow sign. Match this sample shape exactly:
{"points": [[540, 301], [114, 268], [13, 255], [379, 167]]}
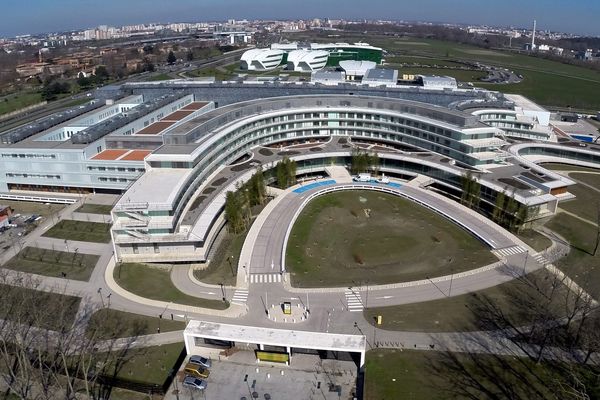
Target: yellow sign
{"points": [[287, 308], [379, 320], [273, 357]]}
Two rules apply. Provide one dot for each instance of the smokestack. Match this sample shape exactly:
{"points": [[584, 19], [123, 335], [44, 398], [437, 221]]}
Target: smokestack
{"points": [[533, 35]]}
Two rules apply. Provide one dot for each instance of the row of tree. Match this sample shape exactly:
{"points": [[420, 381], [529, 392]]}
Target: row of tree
{"points": [[507, 212], [363, 161], [238, 204], [286, 173]]}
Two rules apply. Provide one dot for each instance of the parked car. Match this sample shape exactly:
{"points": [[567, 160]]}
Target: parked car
{"points": [[196, 370], [194, 383], [201, 361]]}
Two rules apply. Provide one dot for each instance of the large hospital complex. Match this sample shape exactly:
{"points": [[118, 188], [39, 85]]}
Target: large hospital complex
{"points": [[175, 148]]}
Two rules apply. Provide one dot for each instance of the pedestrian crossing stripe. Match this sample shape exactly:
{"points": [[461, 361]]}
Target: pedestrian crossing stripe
{"points": [[354, 301], [510, 251], [265, 278], [240, 297]]}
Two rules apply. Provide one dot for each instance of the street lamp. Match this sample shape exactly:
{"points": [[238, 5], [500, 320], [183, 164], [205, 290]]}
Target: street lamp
{"points": [[223, 292]]}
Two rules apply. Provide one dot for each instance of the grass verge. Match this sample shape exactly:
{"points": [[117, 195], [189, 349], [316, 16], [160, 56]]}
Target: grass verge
{"points": [[155, 283], [111, 324], [89, 208]]}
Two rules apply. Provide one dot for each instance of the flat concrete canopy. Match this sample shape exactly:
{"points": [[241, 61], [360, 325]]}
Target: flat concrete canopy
{"points": [[274, 337]]}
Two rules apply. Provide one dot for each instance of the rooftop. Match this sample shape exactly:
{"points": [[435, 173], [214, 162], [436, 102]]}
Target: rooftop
{"points": [[524, 103], [276, 337], [156, 186]]}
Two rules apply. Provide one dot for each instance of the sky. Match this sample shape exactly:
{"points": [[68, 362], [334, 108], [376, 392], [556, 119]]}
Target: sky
{"points": [[39, 16]]}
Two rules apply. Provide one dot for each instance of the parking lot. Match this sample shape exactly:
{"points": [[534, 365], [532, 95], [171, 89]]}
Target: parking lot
{"points": [[240, 377]]}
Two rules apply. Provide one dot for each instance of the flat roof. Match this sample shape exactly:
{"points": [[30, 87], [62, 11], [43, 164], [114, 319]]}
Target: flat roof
{"points": [[156, 128], [156, 186], [135, 155], [381, 74], [196, 105], [178, 115], [276, 337], [524, 103], [110, 154]]}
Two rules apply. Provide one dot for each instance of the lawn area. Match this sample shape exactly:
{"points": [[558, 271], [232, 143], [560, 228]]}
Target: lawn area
{"points": [[393, 374], [209, 72], [110, 324], [150, 364], [579, 265], [79, 230], [567, 167], [223, 265], [586, 203], [160, 77], [453, 314], [335, 243], [155, 283], [53, 263], [17, 101], [590, 179], [26, 207], [58, 311], [423, 61], [535, 239], [95, 209]]}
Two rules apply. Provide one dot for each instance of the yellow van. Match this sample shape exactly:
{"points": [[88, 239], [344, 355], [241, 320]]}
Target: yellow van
{"points": [[196, 371]]}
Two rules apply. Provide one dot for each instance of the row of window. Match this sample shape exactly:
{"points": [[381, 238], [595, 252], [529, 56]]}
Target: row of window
{"points": [[28, 155], [34, 176], [117, 169], [113, 179]]}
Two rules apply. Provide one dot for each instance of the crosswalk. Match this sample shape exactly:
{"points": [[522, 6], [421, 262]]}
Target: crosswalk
{"points": [[265, 278], [354, 301], [510, 251], [240, 297], [541, 259]]}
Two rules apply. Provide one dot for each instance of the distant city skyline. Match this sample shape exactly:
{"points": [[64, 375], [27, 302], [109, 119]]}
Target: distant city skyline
{"points": [[41, 16]]}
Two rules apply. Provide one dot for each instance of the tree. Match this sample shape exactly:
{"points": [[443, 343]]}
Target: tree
{"points": [[542, 349], [190, 56], [46, 352], [171, 59], [102, 73]]}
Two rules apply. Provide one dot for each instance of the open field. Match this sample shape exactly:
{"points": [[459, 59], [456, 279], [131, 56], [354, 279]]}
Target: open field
{"points": [[580, 265], [335, 243], [17, 101], [155, 283], [110, 324], [393, 374], [586, 204], [90, 208], [160, 77], [454, 314], [53, 263], [590, 179], [566, 167], [79, 230]]}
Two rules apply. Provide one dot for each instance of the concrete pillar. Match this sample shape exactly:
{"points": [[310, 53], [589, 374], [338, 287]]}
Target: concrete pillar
{"points": [[261, 347], [189, 343], [362, 359]]}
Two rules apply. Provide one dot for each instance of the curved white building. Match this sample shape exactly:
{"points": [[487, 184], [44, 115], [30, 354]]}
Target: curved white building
{"points": [[356, 69], [307, 61], [261, 59]]}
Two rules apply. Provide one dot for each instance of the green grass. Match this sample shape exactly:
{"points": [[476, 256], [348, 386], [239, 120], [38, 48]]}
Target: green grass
{"points": [[567, 167], [36, 308], [53, 263], [151, 364], [333, 243], [160, 77], [394, 374], [79, 230], [19, 101], [580, 265], [454, 314], [535, 239], [423, 61], [586, 204], [108, 324], [210, 72], [95, 209], [223, 265], [155, 283], [590, 179]]}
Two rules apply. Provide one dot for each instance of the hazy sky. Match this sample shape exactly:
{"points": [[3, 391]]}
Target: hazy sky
{"points": [[35, 16]]}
